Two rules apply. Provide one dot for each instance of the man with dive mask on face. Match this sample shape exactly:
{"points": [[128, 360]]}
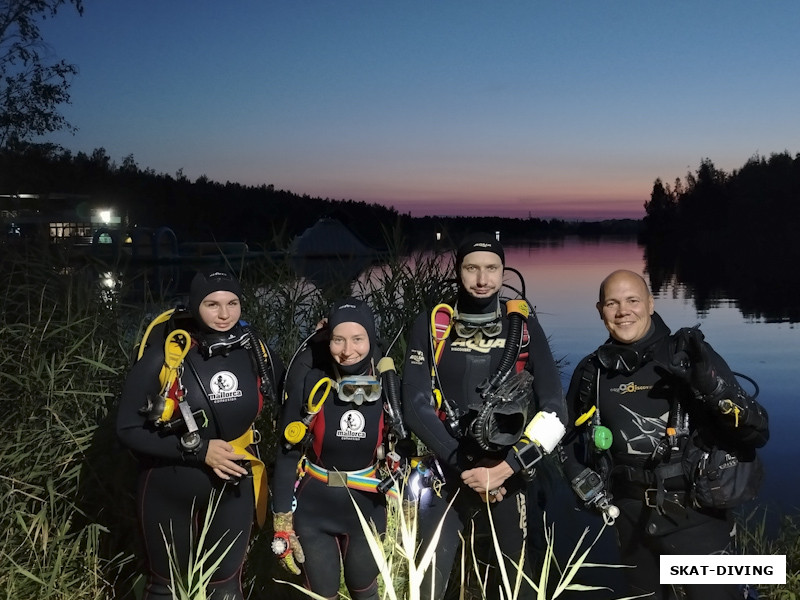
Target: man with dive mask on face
{"points": [[459, 360], [639, 406]]}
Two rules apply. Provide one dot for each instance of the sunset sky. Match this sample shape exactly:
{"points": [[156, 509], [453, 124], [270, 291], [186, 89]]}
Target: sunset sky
{"points": [[545, 108]]}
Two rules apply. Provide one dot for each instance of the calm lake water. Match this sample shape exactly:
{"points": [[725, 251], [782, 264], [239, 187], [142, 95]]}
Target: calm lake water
{"points": [[562, 282]]}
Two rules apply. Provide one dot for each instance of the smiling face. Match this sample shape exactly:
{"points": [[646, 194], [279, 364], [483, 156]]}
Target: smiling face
{"points": [[220, 310], [349, 343], [481, 274], [625, 306]]}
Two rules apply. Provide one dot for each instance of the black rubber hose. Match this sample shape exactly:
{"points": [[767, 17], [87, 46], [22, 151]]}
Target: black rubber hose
{"points": [[510, 354], [267, 389], [391, 383]]}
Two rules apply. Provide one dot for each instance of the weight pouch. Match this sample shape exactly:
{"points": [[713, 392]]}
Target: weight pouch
{"points": [[721, 478]]}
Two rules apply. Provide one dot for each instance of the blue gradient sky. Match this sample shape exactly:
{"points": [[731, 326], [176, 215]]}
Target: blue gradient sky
{"points": [[549, 108]]}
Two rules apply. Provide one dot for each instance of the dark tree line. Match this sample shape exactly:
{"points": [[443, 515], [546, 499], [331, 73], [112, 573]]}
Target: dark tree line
{"points": [[205, 210], [763, 196], [730, 235], [201, 210]]}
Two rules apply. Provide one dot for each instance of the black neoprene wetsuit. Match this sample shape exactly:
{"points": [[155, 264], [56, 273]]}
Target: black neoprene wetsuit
{"points": [[465, 363], [346, 438], [635, 407], [174, 487]]}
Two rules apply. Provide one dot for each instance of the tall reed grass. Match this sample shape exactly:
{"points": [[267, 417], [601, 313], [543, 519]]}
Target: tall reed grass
{"points": [[756, 537], [61, 365], [67, 496], [67, 518], [402, 567]]}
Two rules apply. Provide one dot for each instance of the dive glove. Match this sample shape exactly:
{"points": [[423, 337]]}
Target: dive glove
{"points": [[285, 544], [691, 362]]}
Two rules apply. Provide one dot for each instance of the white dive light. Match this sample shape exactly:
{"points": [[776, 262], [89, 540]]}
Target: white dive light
{"points": [[545, 430]]}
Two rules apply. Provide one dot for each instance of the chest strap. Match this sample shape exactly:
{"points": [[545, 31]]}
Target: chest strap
{"points": [[363, 479]]}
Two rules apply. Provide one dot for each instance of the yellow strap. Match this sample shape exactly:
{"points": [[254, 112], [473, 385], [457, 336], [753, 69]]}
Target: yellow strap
{"points": [[259, 474], [437, 398], [518, 306], [439, 340], [163, 317]]}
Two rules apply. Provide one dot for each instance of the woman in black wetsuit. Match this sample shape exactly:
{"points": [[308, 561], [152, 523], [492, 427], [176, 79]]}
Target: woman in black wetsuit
{"points": [[191, 429], [345, 430]]}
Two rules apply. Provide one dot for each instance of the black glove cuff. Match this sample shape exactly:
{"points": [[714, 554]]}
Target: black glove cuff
{"points": [[720, 389]]}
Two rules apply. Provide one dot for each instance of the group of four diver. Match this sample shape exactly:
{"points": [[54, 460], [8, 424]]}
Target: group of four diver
{"points": [[480, 391]]}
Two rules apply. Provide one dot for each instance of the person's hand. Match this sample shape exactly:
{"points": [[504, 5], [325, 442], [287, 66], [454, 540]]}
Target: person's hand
{"points": [[285, 544], [495, 495], [485, 479], [691, 361], [222, 459]]}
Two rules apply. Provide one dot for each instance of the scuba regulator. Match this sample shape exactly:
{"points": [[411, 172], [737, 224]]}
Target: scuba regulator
{"points": [[502, 419], [159, 409], [501, 414], [298, 432]]}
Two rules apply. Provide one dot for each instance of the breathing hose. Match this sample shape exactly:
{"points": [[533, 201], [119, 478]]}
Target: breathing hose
{"points": [[261, 365], [518, 311], [391, 383]]}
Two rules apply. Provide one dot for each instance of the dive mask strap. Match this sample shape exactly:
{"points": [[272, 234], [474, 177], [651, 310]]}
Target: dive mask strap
{"points": [[222, 343]]}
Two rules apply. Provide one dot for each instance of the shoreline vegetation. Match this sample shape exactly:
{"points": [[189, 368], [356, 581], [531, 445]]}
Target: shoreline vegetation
{"points": [[67, 489], [66, 342]]}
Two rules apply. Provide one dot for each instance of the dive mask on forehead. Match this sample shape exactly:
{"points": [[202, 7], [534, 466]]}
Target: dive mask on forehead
{"points": [[359, 389], [622, 359]]}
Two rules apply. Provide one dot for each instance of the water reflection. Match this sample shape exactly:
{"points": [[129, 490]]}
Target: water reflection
{"points": [[563, 282], [760, 280]]}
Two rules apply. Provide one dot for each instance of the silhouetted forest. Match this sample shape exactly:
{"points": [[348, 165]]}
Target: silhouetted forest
{"points": [[730, 235], [205, 210], [721, 235]]}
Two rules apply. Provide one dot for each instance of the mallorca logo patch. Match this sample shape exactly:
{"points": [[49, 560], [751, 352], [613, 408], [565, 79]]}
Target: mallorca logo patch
{"points": [[351, 426], [224, 387]]}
